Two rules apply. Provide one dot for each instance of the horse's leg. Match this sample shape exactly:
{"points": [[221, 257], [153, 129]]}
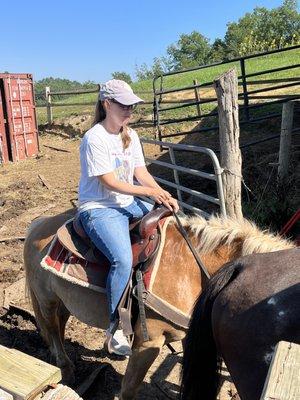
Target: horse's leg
{"points": [[51, 319], [63, 316], [139, 362], [145, 353]]}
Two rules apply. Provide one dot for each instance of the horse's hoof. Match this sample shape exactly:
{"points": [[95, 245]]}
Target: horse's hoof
{"points": [[68, 376]]}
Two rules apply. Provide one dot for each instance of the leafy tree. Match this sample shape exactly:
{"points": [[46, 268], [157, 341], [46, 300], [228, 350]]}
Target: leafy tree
{"points": [[160, 65], [235, 34], [143, 72], [264, 29], [191, 50], [59, 84], [218, 51], [123, 76]]}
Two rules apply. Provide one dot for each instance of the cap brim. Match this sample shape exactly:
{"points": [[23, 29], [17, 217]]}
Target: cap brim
{"points": [[128, 99]]}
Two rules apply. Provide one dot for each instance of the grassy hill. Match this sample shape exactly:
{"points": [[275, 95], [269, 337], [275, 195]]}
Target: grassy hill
{"points": [[253, 65]]}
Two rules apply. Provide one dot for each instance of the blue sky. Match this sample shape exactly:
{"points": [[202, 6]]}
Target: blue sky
{"points": [[88, 40]]}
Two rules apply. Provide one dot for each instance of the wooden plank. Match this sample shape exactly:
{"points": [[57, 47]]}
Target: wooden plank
{"points": [[11, 238], [283, 379], [61, 392], [23, 375], [57, 148], [44, 181]]}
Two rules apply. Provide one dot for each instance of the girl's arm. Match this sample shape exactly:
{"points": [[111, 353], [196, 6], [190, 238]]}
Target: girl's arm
{"points": [[157, 193], [145, 178], [109, 180]]}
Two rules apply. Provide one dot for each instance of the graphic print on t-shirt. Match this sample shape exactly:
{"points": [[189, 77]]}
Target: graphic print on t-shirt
{"points": [[122, 170]]}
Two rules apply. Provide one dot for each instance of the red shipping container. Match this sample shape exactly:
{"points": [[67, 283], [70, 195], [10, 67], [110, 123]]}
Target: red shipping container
{"points": [[19, 112], [3, 142]]}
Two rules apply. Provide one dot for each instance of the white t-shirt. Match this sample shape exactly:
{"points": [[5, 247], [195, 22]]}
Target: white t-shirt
{"points": [[102, 152]]}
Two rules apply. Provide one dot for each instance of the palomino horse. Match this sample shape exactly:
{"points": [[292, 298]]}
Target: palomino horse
{"points": [[246, 308], [178, 282]]}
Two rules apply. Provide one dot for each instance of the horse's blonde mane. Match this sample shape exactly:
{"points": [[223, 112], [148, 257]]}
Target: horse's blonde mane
{"points": [[219, 230]]}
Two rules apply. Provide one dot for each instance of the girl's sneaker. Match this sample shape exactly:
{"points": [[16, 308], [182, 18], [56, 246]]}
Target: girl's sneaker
{"points": [[117, 343]]}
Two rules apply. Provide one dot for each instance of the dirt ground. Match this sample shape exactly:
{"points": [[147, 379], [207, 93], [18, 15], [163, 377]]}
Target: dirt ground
{"points": [[48, 185]]}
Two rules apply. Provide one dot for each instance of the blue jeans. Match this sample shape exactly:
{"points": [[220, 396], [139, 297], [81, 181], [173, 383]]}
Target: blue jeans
{"points": [[108, 229]]}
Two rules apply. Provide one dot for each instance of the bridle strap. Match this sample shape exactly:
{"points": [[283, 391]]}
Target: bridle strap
{"points": [[185, 235]]}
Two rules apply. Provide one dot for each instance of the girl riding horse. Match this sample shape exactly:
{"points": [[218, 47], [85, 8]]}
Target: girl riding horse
{"points": [[110, 156]]}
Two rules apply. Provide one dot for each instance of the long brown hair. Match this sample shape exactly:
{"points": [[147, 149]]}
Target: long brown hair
{"points": [[100, 115]]}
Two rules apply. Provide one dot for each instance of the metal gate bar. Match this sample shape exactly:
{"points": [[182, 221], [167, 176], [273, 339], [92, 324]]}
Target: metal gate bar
{"points": [[216, 176]]}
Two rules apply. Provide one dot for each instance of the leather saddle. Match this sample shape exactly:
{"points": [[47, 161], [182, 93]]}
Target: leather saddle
{"points": [[144, 234]]}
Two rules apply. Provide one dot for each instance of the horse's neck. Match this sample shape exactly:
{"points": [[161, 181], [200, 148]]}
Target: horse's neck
{"points": [[216, 257], [176, 277]]}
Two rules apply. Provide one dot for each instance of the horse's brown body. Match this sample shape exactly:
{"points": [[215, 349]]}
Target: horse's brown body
{"points": [[178, 281]]}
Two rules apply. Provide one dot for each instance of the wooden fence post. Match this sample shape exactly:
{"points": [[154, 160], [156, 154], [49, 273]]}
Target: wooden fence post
{"points": [[283, 380], [197, 96], [49, 108], [285, 141], [226, 88]]}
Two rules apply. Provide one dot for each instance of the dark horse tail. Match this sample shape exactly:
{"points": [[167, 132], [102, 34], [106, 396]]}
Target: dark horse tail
{"points": [[200, 361]]}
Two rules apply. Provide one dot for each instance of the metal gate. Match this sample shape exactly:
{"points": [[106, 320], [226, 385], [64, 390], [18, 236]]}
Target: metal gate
{"points": [[215, 177], [196, 106]]}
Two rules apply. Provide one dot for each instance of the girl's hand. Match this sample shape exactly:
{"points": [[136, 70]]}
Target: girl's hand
{"points": [[174, 204], [161, 196]]}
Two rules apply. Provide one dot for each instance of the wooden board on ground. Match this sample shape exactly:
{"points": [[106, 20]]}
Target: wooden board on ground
{"points": [[61, 392], [283, 380], [24, 376]]}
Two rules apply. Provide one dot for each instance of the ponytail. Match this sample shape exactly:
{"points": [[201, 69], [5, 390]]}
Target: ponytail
{"points": [[100, 113], [126, 139]]}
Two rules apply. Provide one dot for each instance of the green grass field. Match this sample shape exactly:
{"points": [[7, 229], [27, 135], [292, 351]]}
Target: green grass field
{"points": [[205, 75]]}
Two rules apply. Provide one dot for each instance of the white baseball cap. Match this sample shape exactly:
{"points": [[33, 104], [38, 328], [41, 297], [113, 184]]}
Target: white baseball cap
{"points": [[119, 91]]}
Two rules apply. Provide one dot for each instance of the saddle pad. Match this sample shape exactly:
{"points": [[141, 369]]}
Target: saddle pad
{"points": [[63, 263]]}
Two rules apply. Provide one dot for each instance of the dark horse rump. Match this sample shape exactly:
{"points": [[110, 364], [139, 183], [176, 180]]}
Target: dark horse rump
{"points": [[246, 309]]}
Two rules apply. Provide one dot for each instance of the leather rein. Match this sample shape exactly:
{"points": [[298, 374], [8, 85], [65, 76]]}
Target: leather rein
{"points": [[192, 248]]}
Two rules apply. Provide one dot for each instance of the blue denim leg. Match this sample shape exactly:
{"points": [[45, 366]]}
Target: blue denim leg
{"points": [[138, 208], [108, 228], [109, 231]]}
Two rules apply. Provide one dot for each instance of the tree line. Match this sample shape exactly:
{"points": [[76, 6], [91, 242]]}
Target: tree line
{"points": [[59, 85]]}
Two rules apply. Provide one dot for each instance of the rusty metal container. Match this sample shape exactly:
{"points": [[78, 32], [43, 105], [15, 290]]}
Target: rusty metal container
{"points": [[18, 108], [3, 142]]}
